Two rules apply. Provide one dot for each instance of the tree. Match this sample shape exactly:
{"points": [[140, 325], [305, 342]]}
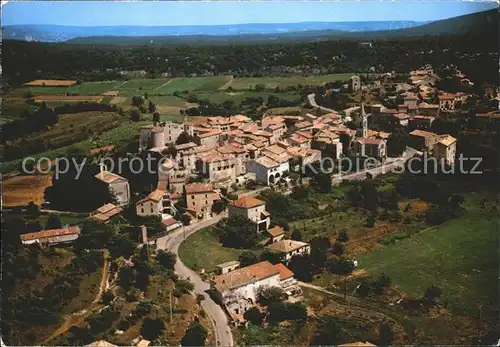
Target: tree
{"points": [[32, 209], [281, 311], [268, 295], [126, 277], [370, 197], [385, 335], [397, 142], [248, 258], [271, 256], [254, 316], [284, 223], [151, 107], [183, 138], [53, 222], [320, 245], [219, 206], [432, 293], [302, 267], [196, 334], [166, 259], [94, 235], [324, 182], [370, 221], [327, 332], [107, 297], [143, 308], [237, 232], [338, 249], [137, 100], [152, 328], [296, 235], [343, 237], [120, 245], [342, 266], [156, 117], [135, 115], [185, 219]]}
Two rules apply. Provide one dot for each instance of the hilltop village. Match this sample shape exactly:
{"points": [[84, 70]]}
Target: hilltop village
{"points": [[211, 172]]}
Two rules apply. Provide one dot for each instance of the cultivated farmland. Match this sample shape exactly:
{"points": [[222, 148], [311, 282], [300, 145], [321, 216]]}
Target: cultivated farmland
{"points": [[140, 86], [238, 97], [65, 99], [209, 83], [51, 83], [21, 190], [283, 82]]}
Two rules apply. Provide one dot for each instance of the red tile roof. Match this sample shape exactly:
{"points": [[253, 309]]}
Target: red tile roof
{"points": [[51, 233], [168, 221], [276, 231], [285, 272], [194, 188], [369, 141], [247, 202], [244, 276]]}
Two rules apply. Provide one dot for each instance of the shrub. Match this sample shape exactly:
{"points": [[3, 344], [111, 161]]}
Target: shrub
{"points": [[184, 286]]}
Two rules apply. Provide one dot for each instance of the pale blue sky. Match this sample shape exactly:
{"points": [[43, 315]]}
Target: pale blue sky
{"points": [[89, 13]]}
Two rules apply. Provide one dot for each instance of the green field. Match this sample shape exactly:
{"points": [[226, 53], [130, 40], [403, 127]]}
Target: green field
{"points": [[86, 88], [459, 256], [207, 83], [283, 82], [238, 97], [140, 86], [203, 251]]}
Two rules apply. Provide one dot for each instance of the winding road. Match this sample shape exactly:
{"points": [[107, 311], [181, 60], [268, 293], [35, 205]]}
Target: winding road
{"points": [[312, 102], [171, 243]]}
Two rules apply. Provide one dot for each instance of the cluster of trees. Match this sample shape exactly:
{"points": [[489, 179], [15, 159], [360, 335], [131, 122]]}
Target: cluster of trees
{"points": [[253, 106], [237, 232], [25, 61], [42, 306], [30, 122]]}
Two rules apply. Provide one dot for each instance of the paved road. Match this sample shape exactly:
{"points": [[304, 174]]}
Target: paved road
{"points": [[171, 242], [312, 102], [390, 165]]}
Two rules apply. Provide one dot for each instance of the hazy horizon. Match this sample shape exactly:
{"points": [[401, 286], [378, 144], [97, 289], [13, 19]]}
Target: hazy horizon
{"points": [[151, 14]]}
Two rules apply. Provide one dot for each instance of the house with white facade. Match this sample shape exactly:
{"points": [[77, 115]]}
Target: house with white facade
{"points": [[157, 203], [287, 280], [267, 170], [275, 234], [253, 209], [237, 290], [290, 248]]}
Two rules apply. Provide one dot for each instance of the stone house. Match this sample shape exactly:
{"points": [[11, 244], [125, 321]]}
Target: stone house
{"points": [[253, 209], [117, 185]]}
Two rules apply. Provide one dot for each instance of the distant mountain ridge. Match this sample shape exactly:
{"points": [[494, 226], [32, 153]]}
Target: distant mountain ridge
{"points": [[56, 33], [478, 24]]}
